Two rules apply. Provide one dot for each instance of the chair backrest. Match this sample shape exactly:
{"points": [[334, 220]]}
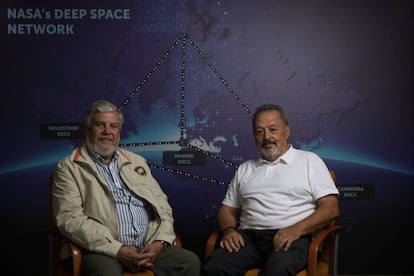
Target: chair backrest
{"points": [[333, 175], [322, 250], [327, 250]]}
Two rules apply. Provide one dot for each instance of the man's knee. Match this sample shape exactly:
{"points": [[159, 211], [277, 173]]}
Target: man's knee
{"points": [[97, 264], [284, 263]]}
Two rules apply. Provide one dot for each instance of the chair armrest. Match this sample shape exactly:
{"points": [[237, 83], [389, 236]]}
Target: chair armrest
{"points": [[76, 256], [211, 243], [177, 242], [324, 237], [58, 241]]}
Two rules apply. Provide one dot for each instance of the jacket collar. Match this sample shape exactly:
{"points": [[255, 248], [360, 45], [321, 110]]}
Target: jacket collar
{"points": [[81, 155]]}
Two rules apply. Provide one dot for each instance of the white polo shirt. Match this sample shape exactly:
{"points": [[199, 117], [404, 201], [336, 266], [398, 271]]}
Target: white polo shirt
{"points": [[273, 195]]}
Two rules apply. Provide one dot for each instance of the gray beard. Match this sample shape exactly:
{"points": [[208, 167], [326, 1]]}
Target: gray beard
{"points": [[97, 150], [270, 155]]}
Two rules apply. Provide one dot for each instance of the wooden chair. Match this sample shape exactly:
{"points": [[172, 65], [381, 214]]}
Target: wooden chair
{"points": [[321, 257], [58, 241]]}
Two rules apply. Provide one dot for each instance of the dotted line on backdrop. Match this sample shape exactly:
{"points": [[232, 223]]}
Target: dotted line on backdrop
{"points": [[183, 39]]}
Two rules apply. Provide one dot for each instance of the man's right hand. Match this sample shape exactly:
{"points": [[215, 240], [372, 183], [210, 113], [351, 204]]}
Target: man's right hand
{"points": [[232, 241], [134, 259]]}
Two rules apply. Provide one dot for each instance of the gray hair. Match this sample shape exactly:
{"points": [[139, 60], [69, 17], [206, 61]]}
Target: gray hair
{"points": [[101, 106], [269, 107]]}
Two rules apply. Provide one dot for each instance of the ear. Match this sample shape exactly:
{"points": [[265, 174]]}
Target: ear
{"points": [[287, 132]]}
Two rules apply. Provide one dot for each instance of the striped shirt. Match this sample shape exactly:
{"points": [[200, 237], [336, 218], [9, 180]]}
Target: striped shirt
{"points": [[131, 210]]}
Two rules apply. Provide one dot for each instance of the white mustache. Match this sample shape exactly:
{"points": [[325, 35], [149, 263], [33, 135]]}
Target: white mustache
{"points": [[106, 137], [267, 142]]}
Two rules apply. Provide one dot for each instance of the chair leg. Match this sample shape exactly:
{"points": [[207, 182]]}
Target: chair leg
{"points": [[335, 260]]}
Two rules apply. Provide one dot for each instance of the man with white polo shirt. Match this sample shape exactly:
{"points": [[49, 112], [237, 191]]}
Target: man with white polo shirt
{"points": [[283, 197]]}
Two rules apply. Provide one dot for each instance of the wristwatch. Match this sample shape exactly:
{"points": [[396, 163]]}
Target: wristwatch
{"points": [[164, 244]]}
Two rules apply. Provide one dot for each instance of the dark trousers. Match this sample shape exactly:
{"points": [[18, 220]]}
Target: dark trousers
{"points": [[258, 252], [173, 261]]}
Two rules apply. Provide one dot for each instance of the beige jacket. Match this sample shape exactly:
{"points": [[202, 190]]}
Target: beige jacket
{"points": [[84, 208]]}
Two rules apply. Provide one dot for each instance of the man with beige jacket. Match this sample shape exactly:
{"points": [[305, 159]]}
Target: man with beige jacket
{"points": [[106, 200]]}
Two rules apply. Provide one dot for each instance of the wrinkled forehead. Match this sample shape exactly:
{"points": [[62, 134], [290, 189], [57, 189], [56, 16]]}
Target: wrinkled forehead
{"points": [[111, 117], [268, 116]]}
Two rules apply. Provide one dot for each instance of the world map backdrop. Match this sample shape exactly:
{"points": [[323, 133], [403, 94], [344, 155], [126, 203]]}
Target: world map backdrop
{"points": [[188, 75]]}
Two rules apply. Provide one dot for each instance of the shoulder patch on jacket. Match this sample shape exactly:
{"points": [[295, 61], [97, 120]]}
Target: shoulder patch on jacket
{"points": [[140, 170]]}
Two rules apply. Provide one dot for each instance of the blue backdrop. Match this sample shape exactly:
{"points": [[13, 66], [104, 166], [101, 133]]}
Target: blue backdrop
{"points": [[187, 75]]}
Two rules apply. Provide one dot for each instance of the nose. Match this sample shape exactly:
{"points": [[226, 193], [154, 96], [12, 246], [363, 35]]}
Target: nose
{"points": [[107, 128], [266, 134]]}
